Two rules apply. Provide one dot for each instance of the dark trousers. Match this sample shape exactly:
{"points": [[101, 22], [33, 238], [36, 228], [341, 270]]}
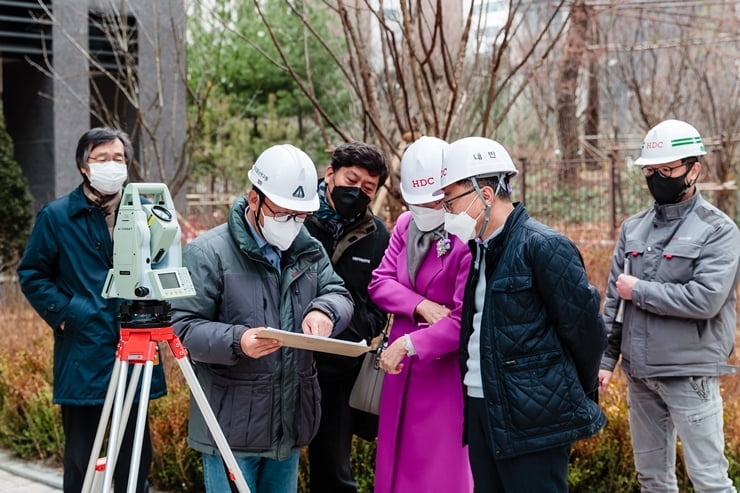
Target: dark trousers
{"points": [[544, 472], [329, 451], [80, 425]]}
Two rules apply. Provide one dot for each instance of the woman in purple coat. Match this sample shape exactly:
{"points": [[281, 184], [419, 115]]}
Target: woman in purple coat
{"points": [[420, 281]]}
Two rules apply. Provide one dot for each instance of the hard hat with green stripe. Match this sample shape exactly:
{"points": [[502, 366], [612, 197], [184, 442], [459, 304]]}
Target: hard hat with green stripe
{"points": [[670, 141]]}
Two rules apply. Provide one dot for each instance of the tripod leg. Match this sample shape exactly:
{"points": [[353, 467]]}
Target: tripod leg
{"points": [[235, 474], [113, 440], [102, 425], [128, 403], [121, 417], [133, 473]]}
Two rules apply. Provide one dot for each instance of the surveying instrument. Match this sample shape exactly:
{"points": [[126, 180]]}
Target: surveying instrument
{"points": [[147, 271]]}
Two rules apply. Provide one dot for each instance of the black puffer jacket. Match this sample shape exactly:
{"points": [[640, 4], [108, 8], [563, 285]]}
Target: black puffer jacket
{"points": [[354, 256], [541, 339]]}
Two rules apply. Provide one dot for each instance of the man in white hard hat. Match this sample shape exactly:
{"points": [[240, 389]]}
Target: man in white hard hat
{"points": [[670, 314], [260, 269], [532, 336]]}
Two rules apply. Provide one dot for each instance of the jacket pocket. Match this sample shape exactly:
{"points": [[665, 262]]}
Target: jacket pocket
{"points": [[516, 292], [682, 347], [633, 246], [634, 249], [308, 409], [543, 392], [73, 315], [243, 409], [677, 264]]}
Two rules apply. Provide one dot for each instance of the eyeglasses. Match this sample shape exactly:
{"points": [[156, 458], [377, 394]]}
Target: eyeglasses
{"points": [[447, 204], [284, 217], [104, 159], [663, 171]]}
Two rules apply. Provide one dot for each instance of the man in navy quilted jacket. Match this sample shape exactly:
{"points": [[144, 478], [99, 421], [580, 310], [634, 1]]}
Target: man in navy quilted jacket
{"points": [[532, 336]]}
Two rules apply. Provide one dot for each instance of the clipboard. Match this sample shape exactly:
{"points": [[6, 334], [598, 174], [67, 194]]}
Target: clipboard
{"points": [[315, 343]]}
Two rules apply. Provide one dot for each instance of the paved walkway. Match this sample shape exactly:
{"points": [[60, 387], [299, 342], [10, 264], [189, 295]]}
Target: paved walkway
{"points": [[17, 476]]}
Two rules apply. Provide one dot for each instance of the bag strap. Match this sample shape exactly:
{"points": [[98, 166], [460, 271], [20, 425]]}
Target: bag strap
{"points": [[382, 341]]}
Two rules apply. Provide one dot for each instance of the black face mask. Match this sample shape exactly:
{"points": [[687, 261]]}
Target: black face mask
{"points": [[349, 202], [667, 190]]}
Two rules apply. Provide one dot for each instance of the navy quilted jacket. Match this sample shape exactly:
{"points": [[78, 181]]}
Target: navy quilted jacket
{"points": [[542, 338]]}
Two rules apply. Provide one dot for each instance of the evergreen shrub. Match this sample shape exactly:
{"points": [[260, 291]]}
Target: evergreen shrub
{"points": [[17, 216]]}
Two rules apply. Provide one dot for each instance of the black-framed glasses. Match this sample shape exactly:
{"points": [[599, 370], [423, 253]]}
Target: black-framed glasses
{"points": [[663, 171], [447, 204], [284, 217]]}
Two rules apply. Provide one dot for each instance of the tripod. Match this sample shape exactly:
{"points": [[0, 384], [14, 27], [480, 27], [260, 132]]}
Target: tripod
{"points": [[143, 325]]}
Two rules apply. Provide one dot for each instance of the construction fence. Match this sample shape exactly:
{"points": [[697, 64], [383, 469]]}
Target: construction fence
{"points": [[599, 194]]}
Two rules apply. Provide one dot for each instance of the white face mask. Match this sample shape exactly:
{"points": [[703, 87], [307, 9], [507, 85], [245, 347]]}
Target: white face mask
{"points": [[426, 218], [107, 177], [461, 225], [280, 234]]}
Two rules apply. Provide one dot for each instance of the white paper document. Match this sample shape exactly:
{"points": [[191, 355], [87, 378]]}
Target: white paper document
{"points": [[315, 343]]}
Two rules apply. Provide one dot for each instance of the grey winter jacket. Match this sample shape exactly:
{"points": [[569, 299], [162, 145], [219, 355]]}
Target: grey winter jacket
{"points": [[681, 319], [267, 406]]}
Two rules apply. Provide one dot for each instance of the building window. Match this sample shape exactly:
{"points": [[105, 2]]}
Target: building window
{"points": [[113, 41], [25, 29]]}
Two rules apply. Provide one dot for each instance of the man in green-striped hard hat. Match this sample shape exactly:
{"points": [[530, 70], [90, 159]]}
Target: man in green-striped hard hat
{"points": [[674, 272]]}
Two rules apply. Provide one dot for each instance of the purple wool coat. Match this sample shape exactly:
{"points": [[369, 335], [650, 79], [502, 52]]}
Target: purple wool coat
{"points": [[421, 409]]}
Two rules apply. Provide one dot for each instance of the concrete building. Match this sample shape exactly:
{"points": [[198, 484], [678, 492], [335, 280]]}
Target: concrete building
{"points": [[69, 65]]}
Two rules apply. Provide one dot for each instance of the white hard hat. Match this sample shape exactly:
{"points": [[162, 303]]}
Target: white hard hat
{"points": [[287, 176], [670, 141], [475, 156], [421, 165]]}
